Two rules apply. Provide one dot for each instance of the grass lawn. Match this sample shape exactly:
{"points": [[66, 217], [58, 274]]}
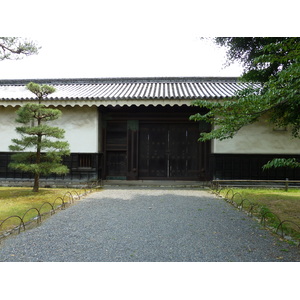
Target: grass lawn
{"points": [[285, 204], [17, 201]]}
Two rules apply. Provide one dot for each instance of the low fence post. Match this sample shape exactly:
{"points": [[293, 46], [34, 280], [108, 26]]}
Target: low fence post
{"points": [[286, 184], [217, 184]]}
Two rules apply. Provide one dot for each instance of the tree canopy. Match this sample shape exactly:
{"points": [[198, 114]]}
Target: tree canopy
{"points": [[274, 65], [16, 48], [261, 57]]}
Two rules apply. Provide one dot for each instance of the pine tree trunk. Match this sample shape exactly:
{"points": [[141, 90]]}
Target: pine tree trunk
{"points": [[36, 184], [38, 160]]}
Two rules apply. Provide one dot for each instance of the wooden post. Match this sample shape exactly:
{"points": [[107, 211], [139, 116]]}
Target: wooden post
{"points": [[217, 181]]}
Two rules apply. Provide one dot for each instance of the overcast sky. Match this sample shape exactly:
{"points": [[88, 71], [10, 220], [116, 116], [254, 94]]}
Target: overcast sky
{"points": [[122, 56], [127, 38]]}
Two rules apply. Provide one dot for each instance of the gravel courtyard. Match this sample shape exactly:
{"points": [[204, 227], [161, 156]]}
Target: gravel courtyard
{"points": [[134, 224]]}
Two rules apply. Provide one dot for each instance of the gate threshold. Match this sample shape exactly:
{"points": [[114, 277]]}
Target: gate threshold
{"points": [[157, 183]]}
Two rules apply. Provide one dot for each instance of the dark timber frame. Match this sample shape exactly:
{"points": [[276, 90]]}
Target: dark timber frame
{"points": [[153, 143]]}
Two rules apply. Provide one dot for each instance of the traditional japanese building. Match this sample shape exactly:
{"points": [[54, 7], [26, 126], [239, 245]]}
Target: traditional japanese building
{"points": [[139, 129]]}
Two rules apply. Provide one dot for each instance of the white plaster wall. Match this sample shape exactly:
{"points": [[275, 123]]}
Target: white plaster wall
{"points": [[7, 127], [81, 128], [80, 125], [259, 138]]}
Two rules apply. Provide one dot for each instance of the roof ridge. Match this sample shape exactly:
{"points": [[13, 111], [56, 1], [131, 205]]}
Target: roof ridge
{"points": [[60, 81]]}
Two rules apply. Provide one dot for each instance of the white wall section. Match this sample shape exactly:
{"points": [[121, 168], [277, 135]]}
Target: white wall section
{"points": [[258, 138], [7, 127], [80, 125], [81, 128]]}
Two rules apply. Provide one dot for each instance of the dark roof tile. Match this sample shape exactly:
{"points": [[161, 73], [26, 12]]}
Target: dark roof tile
{"points": [[127, 88]]}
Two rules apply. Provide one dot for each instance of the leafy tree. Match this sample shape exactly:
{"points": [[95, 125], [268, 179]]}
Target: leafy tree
{"points": [[16, 48], [272, 65], [42, 142]]}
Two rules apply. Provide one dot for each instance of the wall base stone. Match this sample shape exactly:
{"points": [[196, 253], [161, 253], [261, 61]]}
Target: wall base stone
{"points": [[44, 183]]}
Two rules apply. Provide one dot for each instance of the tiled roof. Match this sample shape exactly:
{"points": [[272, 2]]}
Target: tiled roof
{"points": [[125, 89]]}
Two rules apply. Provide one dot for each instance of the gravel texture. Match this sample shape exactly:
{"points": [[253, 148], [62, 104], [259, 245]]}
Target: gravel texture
{"points": [[148, 225]]}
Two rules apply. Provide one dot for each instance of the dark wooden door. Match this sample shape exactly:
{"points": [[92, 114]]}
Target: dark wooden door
{"points": [[116, 150], [184, 151], [153, 145], [169, 151]]}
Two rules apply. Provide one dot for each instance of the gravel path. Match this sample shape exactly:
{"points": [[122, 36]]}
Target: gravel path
{"points": [[148, 225]]}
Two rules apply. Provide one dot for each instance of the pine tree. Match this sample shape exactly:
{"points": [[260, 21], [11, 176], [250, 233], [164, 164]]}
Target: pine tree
{"points": [[16, 48], [40, 149]]}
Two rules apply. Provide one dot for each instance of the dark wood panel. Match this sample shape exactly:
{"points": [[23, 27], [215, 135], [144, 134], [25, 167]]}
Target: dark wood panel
{"points": [[116, 164], [77, 171], [132, 150], [153, 146], [115, 150], [169, 150], [249, 166], [184, 150]]}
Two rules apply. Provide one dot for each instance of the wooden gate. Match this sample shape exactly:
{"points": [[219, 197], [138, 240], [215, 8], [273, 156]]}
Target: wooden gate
{"points": [[169, 151]]}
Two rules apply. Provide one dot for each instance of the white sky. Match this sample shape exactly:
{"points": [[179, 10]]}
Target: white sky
{"points": [[127, 38], [121, 56]]}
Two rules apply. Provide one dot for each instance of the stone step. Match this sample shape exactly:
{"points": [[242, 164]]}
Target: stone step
{"points": [[156, 183]]}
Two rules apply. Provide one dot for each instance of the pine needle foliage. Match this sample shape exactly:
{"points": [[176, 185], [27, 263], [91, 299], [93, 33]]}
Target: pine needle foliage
{"points": [[39, 150], [16, 48]]}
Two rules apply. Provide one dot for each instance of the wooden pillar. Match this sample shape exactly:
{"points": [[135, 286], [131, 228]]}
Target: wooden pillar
{"points": [[132, 149]]}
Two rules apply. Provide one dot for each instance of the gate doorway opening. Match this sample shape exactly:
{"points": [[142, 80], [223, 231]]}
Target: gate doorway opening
{"points": [[154, 151]]}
